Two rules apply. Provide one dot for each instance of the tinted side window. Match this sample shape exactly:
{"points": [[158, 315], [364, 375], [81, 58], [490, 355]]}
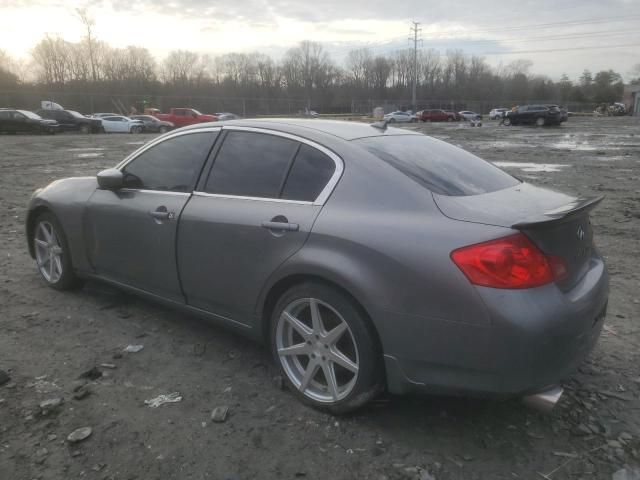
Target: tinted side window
{"points": [[309, 175], [5, 115], [438, 166], [251, 165], [172, 165]]}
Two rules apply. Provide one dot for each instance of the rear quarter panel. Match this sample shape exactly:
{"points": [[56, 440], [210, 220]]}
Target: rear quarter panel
{"points": [[382, 239]]}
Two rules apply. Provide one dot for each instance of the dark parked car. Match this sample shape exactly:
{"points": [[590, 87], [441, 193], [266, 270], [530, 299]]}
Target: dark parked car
{"points": [[535, 115], [365, 257], [435, 116], [153, 124], [13, 121], [70, 120]]}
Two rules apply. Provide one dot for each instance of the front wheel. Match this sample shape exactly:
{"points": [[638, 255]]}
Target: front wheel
{"points": [[136, 129], [52, 253], [163, 129], [507, 122], [325, 348], [540, 122], [84, 129]]}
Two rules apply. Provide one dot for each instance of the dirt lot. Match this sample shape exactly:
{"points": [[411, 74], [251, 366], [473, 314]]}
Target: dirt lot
{"points": [[48, 338]]}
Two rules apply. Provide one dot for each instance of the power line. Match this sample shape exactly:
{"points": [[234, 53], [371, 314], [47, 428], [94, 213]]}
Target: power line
{"points": [[589, 21], [591, 47]]}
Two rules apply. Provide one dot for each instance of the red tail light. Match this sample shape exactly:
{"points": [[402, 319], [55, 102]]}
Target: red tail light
{"points": [[509, 262]]}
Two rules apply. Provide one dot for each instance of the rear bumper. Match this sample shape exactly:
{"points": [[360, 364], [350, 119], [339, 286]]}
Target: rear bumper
{"points": [[535, 339]]}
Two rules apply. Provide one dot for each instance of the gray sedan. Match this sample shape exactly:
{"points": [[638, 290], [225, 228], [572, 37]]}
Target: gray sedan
{"points": [[365, 257]]}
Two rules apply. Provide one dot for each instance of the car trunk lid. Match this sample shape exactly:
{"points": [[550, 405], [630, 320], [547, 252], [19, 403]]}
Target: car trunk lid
{"points": [[558, 223]]}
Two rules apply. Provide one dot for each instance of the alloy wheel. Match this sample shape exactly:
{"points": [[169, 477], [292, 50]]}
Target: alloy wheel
{"points": [[48, 252], [317, 350]]}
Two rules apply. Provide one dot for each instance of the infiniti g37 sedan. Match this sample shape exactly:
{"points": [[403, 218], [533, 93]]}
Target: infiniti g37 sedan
{"points": [[366, 257]]}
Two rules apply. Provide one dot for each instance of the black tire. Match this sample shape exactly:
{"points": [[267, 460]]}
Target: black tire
{"points": [[163, 129], [540, 122], [507, 122], [393, 120], [68, 279], [136, 129], [369, 380], [85, 129]]}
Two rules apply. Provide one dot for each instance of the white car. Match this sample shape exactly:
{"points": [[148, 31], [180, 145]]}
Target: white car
{"points": [[120, 124], [400, 117], [496, 113], [470, 116]]}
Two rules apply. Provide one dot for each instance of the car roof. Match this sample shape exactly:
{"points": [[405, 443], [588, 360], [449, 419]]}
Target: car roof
{"points": [[312, 128]]}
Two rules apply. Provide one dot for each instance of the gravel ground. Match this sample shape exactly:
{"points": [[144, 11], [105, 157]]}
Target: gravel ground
{"points": [[48, 339]]}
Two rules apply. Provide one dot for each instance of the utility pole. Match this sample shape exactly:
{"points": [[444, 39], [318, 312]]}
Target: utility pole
{"points": [[415, 30]]}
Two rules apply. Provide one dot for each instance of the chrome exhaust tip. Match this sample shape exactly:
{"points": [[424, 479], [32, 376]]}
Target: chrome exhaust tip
{"points": [[544, 401]]}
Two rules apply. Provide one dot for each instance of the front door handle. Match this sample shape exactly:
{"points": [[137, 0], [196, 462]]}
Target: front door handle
{"points": [[289, 227]]}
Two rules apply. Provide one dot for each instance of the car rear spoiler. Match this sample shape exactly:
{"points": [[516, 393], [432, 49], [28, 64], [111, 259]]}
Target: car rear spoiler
{"points": [[560, 214]]}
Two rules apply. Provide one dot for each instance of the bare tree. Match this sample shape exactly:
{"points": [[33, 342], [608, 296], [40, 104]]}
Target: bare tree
{"points": [[89, 23]]}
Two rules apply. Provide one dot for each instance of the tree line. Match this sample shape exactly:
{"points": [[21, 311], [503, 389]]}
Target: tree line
{"points": [[306, 71]]}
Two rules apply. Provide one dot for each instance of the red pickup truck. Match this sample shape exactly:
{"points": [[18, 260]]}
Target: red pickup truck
{"points": [[181, 117]]}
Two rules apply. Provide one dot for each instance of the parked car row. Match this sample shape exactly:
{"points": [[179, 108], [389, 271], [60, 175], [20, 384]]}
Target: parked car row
{"points": [[50, 120]]}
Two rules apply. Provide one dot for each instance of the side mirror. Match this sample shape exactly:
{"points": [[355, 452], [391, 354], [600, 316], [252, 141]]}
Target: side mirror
{"points": [[110, 179]]}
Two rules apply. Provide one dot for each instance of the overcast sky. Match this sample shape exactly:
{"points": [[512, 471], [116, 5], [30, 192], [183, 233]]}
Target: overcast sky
{"points": [[558, 36]]}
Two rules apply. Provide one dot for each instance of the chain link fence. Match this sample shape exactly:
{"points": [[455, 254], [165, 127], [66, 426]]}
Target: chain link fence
{"points": [[88, 103]]}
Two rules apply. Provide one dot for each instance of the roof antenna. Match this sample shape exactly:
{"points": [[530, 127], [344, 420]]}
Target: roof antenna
{"points": [[382, 125]]}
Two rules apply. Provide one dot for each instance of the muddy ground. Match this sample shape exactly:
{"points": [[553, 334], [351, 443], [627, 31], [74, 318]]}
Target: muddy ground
{"points": [[48, 338]]}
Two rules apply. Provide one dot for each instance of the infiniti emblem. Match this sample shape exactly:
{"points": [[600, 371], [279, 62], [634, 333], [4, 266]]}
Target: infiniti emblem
{"points": [[580, 233]]}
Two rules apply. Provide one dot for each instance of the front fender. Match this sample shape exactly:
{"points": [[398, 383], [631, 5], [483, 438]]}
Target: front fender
{"points": [[66, 199]]}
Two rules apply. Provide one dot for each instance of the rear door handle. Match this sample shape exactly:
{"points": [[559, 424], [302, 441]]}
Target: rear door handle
{"points": [[160, 215], [289, 227]]}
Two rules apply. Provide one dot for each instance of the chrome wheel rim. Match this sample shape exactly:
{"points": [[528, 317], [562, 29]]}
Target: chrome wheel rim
{"points": [[317, 350], [48, 252]]}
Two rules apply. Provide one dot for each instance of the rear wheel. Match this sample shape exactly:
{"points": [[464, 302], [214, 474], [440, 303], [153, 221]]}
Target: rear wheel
{"points": [[136, 129], [84, 129], [163, 129], [392, 120], [507, 122], [325, 348], [52, 253], [540, 122]]}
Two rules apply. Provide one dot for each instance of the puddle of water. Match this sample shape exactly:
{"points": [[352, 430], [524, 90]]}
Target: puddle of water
{"points": [[505, 145], [532, 167], [89, 155], [84, 148]]}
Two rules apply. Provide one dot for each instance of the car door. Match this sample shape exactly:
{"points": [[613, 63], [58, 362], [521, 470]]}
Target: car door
{"points": [[131, 232], [254, 210], [65, 119]]}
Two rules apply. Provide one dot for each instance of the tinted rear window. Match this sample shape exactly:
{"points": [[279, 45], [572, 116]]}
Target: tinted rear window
{"points": [[251, 165], [439, 166], [310, 173]]}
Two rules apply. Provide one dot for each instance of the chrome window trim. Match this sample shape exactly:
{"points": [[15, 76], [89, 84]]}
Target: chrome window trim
{"points": [[326, 191], [164, 192], [132, 156], [320, 200], [260, 199]]}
